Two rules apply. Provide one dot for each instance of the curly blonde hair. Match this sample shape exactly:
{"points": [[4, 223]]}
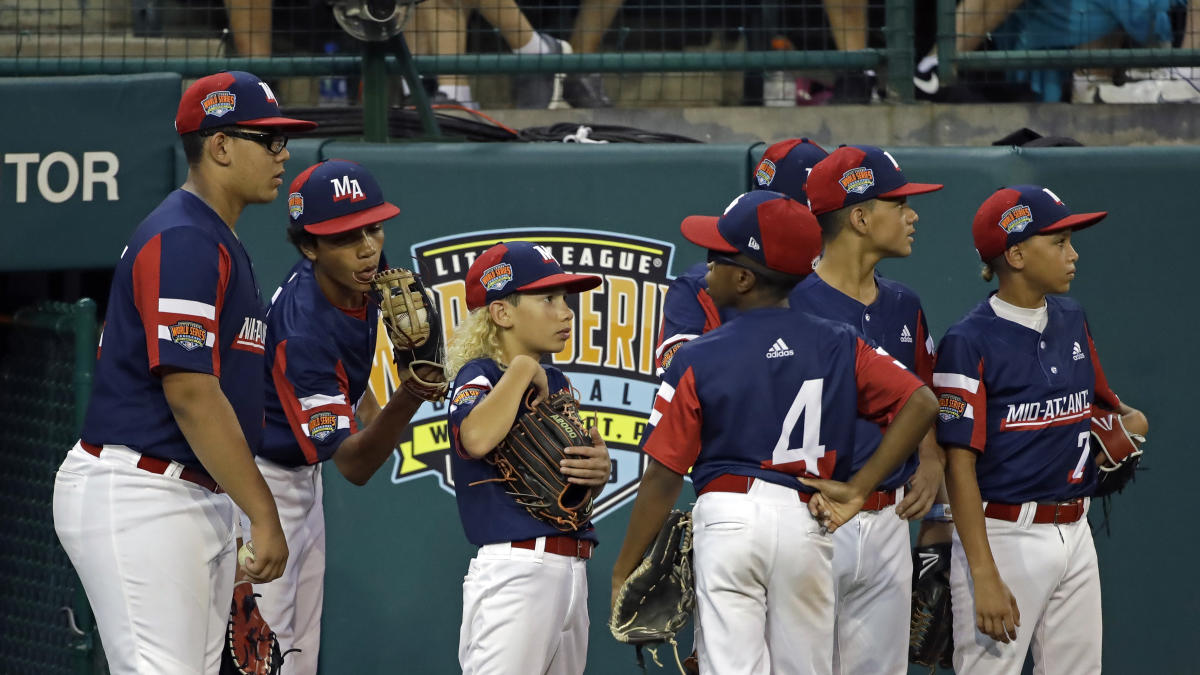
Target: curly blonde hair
{"points": [[475, 338]]}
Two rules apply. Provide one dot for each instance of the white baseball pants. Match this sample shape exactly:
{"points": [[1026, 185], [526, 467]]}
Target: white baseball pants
{"points": [[1052, 572], [524, 611], [764, 583], [156, 558], [872, 572], [291, 605]]}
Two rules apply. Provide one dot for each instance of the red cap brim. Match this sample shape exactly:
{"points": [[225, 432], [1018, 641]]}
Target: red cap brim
{"points": [[1076, 221], [702, 231], [573, 283], [286, 123], [353, 221], [913, 189]]}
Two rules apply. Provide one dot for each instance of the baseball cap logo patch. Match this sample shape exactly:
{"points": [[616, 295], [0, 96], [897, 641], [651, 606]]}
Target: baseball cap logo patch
{"points": [[765, 172], [857, 180], [295, 205], [1016, 219], [219, 103], [496, 277]]}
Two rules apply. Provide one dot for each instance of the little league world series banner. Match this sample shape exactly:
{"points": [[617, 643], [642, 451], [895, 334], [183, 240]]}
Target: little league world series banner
{"points": [[609, 358]]}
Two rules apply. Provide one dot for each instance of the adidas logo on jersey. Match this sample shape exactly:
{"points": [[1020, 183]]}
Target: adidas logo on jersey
{"points": [[779, 349], [905, 336], [753, 243], [1076, 352]]}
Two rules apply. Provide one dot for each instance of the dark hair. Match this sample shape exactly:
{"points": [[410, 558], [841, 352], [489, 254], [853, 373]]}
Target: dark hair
{"points": [[777, 285], [298, 236], [193, 146], [832, 222]]}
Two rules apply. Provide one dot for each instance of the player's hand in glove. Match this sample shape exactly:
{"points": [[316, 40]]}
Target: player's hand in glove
{"points": [[414, 328], [587, 464], [1118, 448], [996, 613], [250, 644], [270, 552], [835, 502]]}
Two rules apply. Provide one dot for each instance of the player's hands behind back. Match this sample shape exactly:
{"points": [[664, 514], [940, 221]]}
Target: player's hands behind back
{"points": [[835, 502], [593, 464], [270, 553]]}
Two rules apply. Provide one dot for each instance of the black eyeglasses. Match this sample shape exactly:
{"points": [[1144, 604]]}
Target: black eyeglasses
{"points": [[714, 257], [273, 142]]}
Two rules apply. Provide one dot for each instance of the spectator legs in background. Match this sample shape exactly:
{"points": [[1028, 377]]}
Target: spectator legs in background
{"points": [[973, 21], [529, 91], [440, 27], [586, 90], [250, 25], [848, 23]]}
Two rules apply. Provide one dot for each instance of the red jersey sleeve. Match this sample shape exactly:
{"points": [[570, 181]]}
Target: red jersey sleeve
{"points": [[673, 434], [884, 384], [1105, 396]]}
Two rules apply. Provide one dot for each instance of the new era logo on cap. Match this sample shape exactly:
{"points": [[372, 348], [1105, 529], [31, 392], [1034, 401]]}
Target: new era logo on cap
{"points": [[784, 167], [230, 98], [853, 174], [768, 227], [519, 267], [1013, 214], [337, 195]]}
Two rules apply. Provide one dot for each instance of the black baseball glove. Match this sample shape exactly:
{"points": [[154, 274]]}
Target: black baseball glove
{"points": [[931, 631]]}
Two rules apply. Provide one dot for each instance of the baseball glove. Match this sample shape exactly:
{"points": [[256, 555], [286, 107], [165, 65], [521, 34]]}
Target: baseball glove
{"points": [[1120, 452], [414, 329], [658, 597], [529, 458], [250, 644], [931, 631]]}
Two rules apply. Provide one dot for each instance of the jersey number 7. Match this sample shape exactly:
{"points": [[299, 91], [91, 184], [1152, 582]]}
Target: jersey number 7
{"points": [[804, 459]]}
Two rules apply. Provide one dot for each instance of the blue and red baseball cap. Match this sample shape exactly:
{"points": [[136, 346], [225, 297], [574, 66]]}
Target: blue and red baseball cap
{"points": [[853, 174], [1013, 214], [519, 267], [770, 228], [232, 98], [336, 195], [785, 165]]}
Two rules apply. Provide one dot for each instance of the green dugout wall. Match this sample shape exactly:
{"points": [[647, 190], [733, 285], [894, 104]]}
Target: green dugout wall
{"points": [[396, 553]]}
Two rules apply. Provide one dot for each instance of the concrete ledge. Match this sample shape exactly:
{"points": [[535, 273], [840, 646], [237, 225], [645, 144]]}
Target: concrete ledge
{"points": [[920, 124]]}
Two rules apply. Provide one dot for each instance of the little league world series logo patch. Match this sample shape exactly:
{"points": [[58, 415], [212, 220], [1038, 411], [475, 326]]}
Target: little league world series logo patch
{"points": [[321, 424], [951, 407], [496, 277], [295, 205], [219, 103], [765, 172], [188, 334], [609, 358], [1016, 219], [857, 180]]}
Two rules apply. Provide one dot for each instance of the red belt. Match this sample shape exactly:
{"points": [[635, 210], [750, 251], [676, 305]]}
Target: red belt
{"points": [[729, 482], [568, 546], [879, 500], [1060, 512], [161, 466]]}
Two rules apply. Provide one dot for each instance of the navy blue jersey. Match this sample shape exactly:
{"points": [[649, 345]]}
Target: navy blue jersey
{"points": [[319, 359], [183, 298], [688, 313], [489, 515], [772, 394], [1023, 400], [895, 322]]}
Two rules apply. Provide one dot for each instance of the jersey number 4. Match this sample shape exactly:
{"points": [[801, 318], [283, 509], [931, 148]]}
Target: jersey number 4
{"points": [[804, 459]]}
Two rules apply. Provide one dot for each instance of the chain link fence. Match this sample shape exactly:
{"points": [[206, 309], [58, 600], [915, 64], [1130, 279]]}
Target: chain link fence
{"points": [[45, 378]]}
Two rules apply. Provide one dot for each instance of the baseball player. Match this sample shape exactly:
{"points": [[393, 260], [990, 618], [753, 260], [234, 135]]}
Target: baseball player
{"points": [[688, 311], [525, 594], [860, 198], [321, 336], [1017, 378], [140, 502], [754, 440]]}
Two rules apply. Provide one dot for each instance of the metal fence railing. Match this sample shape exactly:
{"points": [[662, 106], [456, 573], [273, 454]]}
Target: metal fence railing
{"points": [[505, 53]]}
